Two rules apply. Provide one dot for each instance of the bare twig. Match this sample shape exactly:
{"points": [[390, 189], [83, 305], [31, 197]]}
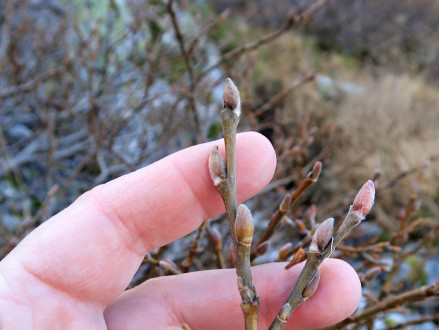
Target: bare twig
{"points": [[292, 20], [187, 60], [187, 262], [398, 177], [419, 320], [283, 94], [389, 303], [216, 241], [240, 220], [287, 203], [322, 246]]}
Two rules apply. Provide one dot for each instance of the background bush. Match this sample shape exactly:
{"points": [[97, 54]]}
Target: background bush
{"points": [[90, 90]]}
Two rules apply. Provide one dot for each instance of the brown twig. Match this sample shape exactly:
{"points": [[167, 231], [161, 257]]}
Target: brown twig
{"points": [[187, 60], [187, 262], [216, 242], [209, 27], [29, 222], [283, 94], [287, 203], [419, 320], [389, 303], [398, 177], [240, 220], [322, 246], [166, 265]]}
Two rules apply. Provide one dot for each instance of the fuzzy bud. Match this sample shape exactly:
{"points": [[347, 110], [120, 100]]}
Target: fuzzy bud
{"points": [[244, 225], [217, 167], [285, 205], [231, 97], [363, 202], [284, 313], [311, 288], [284, 251], [298, 258], [262, 248], [322, 236], [315, 172]]}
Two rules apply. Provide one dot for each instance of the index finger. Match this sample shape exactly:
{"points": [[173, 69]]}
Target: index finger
{"points": [[93, 248]]}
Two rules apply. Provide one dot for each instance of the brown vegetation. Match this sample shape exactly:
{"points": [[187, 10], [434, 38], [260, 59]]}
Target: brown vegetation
{"points": [[88, 93]]}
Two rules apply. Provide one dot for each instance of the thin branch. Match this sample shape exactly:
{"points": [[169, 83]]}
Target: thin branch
{"points": [[187, 262], [322, 246], [209, 27], [287, 203], [419, 320], [240, 219], [293, 20], [216, 242], [187, 60], [283, 94], [392, 182], [411, 296]]}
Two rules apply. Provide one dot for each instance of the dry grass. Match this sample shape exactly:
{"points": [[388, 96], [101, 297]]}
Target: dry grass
{"points": [[392, 126]]}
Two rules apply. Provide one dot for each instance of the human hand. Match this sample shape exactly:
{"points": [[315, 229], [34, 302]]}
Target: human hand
{"points": [[71, 272]]}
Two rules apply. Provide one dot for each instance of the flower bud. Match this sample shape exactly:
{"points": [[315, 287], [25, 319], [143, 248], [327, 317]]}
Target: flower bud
{"points": [[217, 166], [231, 97], [298, 258], [315, 172], [244, 225], [322, 236], [285, 205], [311, 288], [363, 202], [262, 248], [284, 251], [285, 312]]}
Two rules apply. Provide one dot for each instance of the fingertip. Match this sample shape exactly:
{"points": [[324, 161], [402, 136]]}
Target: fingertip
{"points": [[336, 298], [259, 171], [202, 299]]}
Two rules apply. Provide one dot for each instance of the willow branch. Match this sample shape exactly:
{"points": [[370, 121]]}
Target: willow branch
{"points": [[287, 203], [187, 262], [322, 246], [217, 243], [240, 220]]}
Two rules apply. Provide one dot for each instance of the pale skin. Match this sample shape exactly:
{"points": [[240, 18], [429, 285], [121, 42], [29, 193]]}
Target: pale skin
{"points": [[71, 272]]}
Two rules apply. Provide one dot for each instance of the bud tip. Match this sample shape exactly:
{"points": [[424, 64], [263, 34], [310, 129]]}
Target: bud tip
{"points": [[322, 236], [231, 97], [364, 200], [244, 225], [217, 167]]}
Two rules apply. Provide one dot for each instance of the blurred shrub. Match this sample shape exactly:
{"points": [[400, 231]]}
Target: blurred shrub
{"points": [[397, 34]]}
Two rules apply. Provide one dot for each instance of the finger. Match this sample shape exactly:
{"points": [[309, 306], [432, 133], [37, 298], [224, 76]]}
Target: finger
{"points": [[93, 248], [210, 299]]}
